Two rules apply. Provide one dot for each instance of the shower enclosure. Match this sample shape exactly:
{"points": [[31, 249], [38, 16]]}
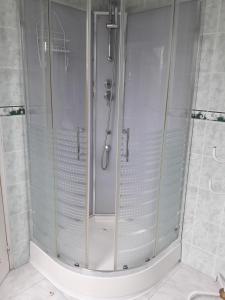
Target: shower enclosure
{"points": [[109, 89]]}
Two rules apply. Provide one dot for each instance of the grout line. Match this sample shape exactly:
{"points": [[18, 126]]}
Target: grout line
{"points": [[18, 183], [208, 222], [13, 106], [212, 72], [27, 211], [20, 213], [16, 68], [27, 289], [214, 33], [10, 27], [204, 251], [208, 111]]}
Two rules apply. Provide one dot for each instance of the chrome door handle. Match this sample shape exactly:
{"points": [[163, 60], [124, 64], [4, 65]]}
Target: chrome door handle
{"points": [[127, 152]]}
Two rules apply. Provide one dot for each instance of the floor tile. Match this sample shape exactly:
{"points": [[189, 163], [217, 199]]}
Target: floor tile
{"points": [[18, 281], [43, 290]]}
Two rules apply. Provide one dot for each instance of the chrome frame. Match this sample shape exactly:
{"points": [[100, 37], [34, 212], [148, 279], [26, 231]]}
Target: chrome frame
{"points": [[119, 119], [89, 125]]}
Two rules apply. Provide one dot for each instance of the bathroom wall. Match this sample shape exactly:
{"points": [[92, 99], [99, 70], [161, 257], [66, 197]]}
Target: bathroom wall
{"points": [[204, 222], [13, 169]]}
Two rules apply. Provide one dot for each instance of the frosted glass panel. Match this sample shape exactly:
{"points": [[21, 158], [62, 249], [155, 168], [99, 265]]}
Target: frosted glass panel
{"points": [[147, 51], [68, 43], [39, 123], [178, 121]]}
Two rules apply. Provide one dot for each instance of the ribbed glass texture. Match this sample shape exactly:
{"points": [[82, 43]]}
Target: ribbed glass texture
{"points": [[39, 119], [146, 75], [68, 63], [180, 95]]}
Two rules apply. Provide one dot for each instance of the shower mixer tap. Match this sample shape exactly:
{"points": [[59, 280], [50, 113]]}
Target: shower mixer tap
{"points": [[107, 96], [107, 147], [108, 84]]}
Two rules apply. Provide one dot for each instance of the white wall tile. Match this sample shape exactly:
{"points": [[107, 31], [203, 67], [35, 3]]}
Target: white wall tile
{"points": [[211, 15], [215, 137], [206, 60], [10, 52], [16, 168], [200, 260], [13, 130], [209, 207], [204, 234], [204, 221], [197, 137], [203, 91], [219, 58], [13, 133], [9, 13], [194, 169], [17, 198], [21, 254], [11, 87], [188, 226], [217, 91], [191, 200]]}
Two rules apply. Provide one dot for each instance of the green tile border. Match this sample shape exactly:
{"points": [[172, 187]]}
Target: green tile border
{"points": [[7, 111], [208, 115]]}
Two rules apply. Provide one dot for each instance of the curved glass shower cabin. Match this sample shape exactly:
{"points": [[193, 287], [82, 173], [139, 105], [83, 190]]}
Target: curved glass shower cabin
{"points": [[109, 89]]}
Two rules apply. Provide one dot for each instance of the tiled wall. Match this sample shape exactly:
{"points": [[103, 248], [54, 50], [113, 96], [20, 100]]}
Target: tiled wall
{"points": [[12, 130], [204, 227]]}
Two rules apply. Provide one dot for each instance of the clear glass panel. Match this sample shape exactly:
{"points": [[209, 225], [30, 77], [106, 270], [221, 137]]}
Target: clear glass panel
{"points": [[68, 77], [187, 16], [37, 62], [148, 35]]}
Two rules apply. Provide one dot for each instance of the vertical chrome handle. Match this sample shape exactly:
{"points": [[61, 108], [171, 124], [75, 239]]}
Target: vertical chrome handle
{"points": [[127, 152], [78, 143], [79, 131]]}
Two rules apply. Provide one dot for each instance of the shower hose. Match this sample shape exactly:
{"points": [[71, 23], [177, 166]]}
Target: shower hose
{"points": [[105, 158]]}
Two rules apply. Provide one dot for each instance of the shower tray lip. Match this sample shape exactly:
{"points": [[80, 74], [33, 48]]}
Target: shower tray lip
{"points": [[89, 284]]}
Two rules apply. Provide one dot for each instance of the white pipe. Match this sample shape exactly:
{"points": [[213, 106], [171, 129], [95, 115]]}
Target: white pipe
{"points": [[221, 281], [195, 294], [214, 155]]}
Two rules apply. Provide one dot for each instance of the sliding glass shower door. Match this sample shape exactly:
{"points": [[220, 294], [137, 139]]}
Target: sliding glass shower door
{"points": [[69, 128], [178, 116], [160, 48], [55, 54], [36, 42], [148, 47]]}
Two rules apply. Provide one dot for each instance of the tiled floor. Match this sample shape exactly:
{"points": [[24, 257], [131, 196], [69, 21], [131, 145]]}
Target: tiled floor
{"points": [[26, 283]]}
